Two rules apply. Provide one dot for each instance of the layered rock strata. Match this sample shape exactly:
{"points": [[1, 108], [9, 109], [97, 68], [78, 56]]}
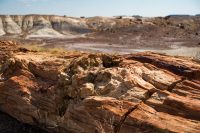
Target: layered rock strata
{"points": [[28, 26], [97, 93]]}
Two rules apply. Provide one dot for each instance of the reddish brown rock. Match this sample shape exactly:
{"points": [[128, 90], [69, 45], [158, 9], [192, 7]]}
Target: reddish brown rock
{"points": [[89, 93], [149, 120], [180, 66], [188, 89], [175, 105]]}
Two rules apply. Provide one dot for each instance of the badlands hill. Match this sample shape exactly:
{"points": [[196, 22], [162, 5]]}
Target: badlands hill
{"points": [[62, 26], [40, 26], [52, 26], [73, 92]]}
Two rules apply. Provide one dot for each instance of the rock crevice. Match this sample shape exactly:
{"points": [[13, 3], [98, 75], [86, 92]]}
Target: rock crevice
{"points": [[98, 93]]}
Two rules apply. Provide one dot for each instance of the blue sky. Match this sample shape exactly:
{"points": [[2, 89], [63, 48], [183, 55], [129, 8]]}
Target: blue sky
{"points": [[100, 7]]}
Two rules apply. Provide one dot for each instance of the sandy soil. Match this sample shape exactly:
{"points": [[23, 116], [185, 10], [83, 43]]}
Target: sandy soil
{"points": [[167, 45]]}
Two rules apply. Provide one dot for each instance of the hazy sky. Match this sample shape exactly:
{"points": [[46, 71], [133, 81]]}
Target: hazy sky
{"points": [[100, 7]]}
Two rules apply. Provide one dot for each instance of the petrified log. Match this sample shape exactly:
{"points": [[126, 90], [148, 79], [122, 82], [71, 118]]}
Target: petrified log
{"points": [[96, 93]]}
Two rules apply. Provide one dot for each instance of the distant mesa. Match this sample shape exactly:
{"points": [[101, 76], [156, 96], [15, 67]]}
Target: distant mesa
{"points": [[137, 16], [179, 16]]}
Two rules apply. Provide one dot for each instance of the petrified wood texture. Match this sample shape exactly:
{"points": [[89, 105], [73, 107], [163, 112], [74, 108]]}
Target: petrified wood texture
{"points": [[97, 93]]}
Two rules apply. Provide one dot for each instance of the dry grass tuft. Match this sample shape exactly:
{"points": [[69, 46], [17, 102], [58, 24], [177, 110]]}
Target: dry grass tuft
{"points": [[37, 48]]}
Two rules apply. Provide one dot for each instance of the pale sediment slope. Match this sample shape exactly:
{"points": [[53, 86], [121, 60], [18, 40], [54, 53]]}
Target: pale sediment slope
{"points": [[10, 26], [1, 28], [45, 32], [42, 26]]}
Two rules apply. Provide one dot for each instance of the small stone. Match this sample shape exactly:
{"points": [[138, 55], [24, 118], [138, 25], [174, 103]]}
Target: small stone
{"points": [[87, 90], [64, 79]]}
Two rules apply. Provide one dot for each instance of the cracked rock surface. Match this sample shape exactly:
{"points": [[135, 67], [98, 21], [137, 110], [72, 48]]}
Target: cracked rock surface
{"points": [[99, 93]]}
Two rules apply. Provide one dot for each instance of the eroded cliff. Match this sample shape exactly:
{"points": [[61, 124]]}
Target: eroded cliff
{"points": [[99, 93], [62, 26], [41, 26]]}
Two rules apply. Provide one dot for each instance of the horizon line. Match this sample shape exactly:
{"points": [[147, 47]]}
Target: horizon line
{"points": [[65, 15]]}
